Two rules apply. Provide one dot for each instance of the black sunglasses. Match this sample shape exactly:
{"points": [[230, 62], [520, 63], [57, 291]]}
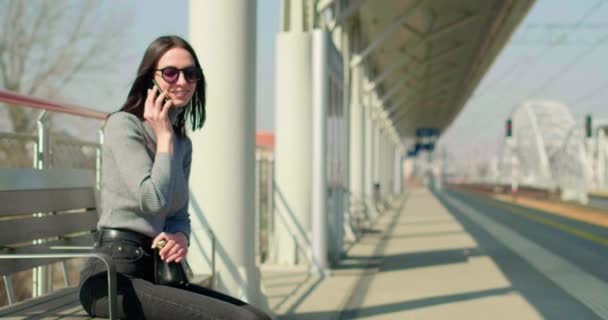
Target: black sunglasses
{"points": [[171, 74]]}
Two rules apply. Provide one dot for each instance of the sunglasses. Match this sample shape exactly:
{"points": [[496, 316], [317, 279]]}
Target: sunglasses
{"points": [[171, 74]]}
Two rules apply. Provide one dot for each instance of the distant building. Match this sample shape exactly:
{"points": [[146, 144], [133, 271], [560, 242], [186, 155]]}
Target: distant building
{"points": [[264, 144]]}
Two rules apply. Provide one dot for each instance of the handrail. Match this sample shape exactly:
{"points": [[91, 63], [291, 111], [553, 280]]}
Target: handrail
{"points": [[44, 104]]}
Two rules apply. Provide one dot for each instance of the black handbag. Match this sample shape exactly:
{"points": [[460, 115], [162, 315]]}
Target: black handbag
{"points": [[169, 273]]}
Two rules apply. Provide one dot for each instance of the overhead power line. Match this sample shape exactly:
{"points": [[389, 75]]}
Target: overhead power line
{"points": [[577, 59], [590, 94], [541, 55]]}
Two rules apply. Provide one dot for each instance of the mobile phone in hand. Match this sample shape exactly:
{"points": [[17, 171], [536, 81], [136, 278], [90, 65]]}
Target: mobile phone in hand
{"points": [[154, 83]]}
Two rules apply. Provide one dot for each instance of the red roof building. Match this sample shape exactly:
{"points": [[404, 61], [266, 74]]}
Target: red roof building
{"points": [[265, 140]]}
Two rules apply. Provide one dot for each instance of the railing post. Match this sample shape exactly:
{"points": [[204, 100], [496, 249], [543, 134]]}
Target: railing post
{"points": [[10, 292], [42, 161], [66, 275], [258, 202], [43, 146], [98, 160], [270, 209], [213, 249]]}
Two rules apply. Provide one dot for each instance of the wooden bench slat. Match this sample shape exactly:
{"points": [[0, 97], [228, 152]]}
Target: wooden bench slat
{"points": [[40, 303], [12, 179], [68, 308], [9, 266], [32, 201], [72, 312], [12, 231]]}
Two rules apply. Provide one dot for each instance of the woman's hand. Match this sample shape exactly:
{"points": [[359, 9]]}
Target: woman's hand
{"points": [[156, 113], [176, 248]]}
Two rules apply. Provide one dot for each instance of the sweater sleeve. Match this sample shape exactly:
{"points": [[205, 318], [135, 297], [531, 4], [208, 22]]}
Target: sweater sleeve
{"points": [[147, 181], [180, 221]]}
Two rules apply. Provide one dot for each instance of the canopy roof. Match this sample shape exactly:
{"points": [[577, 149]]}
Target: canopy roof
{"points": [[427, 56]]}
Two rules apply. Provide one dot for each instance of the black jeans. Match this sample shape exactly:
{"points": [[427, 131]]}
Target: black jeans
{"points": [[140, 298]]}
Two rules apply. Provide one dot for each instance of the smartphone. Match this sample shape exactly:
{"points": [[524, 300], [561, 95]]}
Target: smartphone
{"points": [[154, 83]]}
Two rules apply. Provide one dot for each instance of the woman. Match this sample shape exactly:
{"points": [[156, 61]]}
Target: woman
{"points": [[144, 197]]}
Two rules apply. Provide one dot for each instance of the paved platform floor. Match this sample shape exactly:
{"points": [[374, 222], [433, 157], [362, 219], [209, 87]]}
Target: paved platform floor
{"points": [[418, 262]]}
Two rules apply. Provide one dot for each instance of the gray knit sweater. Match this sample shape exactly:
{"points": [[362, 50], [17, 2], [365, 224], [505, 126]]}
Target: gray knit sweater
{"points": [[141, 190]]}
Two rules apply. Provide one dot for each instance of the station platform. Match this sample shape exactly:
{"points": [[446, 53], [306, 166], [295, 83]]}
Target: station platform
{"points": [[439, 256]]}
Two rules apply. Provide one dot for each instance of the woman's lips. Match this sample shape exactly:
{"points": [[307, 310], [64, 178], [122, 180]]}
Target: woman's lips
{"points": [[182, 94]]}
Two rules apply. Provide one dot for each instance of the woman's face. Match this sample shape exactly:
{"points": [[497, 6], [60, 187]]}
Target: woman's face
{"points": [[178, 88]]}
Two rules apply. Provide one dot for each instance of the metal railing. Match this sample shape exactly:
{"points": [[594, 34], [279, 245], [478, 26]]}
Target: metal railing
{"points": [[44, 149], [264, 203], [355, 209]]}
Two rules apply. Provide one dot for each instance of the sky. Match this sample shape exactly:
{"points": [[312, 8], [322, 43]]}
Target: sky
{"points": [[557, 53], [539, 55], [152, 19]]}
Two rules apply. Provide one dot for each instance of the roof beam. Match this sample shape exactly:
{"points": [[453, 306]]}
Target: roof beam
{"points": [[393, 89], [395, 111], [400, 102], [446, 53], [397, 104], [386, 72], [388, 31], [401, 116], [406, 111], [468, 17], [439, 92]]}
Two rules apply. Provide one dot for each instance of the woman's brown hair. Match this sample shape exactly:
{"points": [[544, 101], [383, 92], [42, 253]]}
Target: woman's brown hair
{"points": [[195, 110]]}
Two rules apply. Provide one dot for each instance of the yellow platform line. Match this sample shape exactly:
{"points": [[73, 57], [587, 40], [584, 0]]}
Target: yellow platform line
{"points": [[588, 215], [560, 226]]}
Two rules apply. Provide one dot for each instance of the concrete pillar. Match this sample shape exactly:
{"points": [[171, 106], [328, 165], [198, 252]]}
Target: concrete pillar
{"points": [[319, 151], [386, 165], [369, 158], [223, 33], [293, 146], [397, 170], [376, 154], [390, 166], [383, 173], [357, 135], [344, 196]]}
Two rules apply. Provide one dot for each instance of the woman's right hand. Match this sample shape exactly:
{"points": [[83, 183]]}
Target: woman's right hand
{"points": [[156, 113]]}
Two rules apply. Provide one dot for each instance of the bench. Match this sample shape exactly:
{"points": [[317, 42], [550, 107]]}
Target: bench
{"points": [[58, 206]]}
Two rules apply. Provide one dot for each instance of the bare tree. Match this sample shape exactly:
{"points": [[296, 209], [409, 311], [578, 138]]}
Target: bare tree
{"points": [[45, 46]]}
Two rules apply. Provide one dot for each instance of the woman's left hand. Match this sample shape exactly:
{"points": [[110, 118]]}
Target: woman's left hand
{"points": [[176, 248]]}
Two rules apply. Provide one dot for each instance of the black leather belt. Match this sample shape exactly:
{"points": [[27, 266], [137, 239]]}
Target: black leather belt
{"points": [[107, 234]]}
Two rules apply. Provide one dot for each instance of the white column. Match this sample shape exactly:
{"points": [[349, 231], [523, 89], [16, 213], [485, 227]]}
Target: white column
{"points": [[369, 151], [319, 151], [397, 171], [344, 198], [390, 166], [386, 179], [293, 146], [357, 135], [383, 166], [223, 33], [376, 153]]}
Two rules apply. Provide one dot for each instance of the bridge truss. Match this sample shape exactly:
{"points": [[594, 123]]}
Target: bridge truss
{"points": [[546, 151]]}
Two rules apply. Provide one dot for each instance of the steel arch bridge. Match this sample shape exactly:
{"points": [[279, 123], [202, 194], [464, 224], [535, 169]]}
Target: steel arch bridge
{"points": [[546, 151]]}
